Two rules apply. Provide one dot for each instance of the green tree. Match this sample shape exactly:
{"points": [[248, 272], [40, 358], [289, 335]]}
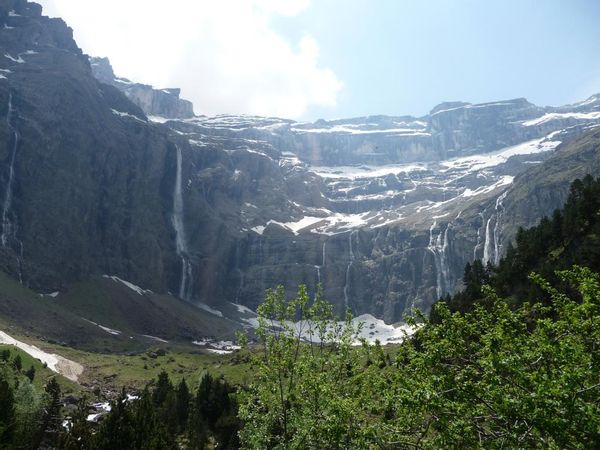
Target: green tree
{"points": [[183, 404], [7, 411], [30, 373], [493, 377], [18, 363], [304, 394], [78, 436]]}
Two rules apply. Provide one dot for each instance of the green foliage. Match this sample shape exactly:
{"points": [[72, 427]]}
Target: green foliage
{"points": [[498, 376], [305, 392], [7, 410]]}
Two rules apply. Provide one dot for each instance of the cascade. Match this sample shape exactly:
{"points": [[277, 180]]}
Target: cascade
{"points": [[7, 225], [180, 238], [499, 216], [478, 244], [438, 246], [487, 246], [347, 283], [240, 287], [492, 249], [319, 267]]}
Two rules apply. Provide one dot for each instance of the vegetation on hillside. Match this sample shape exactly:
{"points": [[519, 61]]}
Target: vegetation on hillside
{"points": [[571, 236]]}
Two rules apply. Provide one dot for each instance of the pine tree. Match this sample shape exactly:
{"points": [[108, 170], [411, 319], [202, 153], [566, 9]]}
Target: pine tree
{"points": [[162, 389], [7, 412], [117, 430], [30, 373], [51, 425], [78, 436], [18, 363], [183, 404]]}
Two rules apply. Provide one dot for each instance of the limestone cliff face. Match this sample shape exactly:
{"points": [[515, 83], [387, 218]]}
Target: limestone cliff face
{"points": [[154, 102], [383, 212], [82, 172]]}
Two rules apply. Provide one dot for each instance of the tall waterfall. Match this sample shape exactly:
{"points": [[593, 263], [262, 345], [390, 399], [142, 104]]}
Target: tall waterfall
{"points": [[240, 287], [492, 250], [347, 283], [438, 246], [478, 243], [319, 267], [181, 245], [7, 225], [499, 217], [487, 246]]}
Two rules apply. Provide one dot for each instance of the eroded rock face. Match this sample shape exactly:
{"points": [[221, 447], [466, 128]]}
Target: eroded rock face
{"points": [[384, 212], [154, 102]]}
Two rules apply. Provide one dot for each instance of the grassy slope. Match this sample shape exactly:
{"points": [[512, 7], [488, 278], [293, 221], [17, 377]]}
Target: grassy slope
{"points": [[56, 325], [111, 304], [42, 373]]}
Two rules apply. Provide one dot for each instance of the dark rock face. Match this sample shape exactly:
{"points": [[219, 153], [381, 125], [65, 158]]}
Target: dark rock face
{"points": [[86, 193], [154, 102], [384, 212]]}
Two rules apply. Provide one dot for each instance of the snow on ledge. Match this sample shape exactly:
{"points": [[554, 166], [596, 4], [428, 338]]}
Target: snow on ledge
{"points": [[124, 114], [108, 330], [207, 308], [155, 338], [130, 285], [17, 60], [548, 117]]}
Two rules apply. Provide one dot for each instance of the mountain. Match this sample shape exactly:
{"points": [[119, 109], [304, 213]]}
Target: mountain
{"points": [[104, 176]]}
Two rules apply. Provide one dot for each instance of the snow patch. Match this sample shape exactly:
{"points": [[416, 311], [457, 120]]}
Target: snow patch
{"points": [[155, 338], [124, 114], [17, 60], [207, 308], [56, 363], [131, 286], [548, 117], [108, 330], [158, 119], [243, 309], [219, 352]]}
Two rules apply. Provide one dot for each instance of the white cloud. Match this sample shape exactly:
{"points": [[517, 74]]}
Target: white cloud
{"points": [[224, 54]]}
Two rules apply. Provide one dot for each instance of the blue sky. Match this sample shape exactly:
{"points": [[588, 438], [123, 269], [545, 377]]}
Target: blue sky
{"points": [[404, 57], [310, 59]]}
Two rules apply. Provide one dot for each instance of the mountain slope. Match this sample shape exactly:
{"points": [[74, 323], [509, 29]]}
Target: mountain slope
{"points": [[383, 211]]}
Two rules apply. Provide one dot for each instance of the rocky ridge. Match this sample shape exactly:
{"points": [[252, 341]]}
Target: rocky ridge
{"points": [[154, 102]]}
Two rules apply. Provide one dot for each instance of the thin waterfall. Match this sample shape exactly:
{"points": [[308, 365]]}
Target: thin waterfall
{"points": [[438, 246], [7, 225], [492, 249], [487, 246], [478, 244], [499, 216], [347, 283], [240, 287], [181, 245], [319, 267]]}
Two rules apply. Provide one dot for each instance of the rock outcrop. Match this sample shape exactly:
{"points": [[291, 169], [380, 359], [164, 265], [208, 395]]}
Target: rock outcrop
{"points": [[154, 102]]}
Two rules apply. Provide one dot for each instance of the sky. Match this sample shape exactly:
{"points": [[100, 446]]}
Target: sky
{"points": [[311, 59]]}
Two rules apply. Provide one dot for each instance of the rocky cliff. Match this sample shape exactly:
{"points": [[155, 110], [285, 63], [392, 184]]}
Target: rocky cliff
{"points": [[154, 102], [383, 212]]}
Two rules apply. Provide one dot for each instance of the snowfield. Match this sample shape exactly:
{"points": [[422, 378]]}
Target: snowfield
{"points": [[67, 368]]}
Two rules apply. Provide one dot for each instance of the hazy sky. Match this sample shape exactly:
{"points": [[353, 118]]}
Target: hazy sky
{"points": [[339, 58]]}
